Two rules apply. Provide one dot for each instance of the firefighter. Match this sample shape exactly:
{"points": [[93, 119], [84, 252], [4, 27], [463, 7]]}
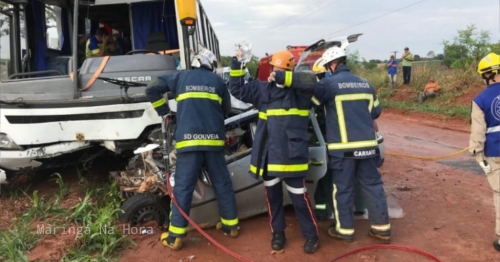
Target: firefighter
{"points": [[351, 106], [203, 100], [485, 130], [323, 194], [280, 150]]}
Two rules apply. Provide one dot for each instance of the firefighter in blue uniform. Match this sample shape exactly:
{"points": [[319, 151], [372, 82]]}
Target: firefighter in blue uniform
{"points": [[280, 150], [351, 106], [484, 143], [323, 194], [203, 100]]}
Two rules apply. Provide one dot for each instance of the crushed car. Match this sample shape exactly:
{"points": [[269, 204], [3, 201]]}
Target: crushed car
{"points": [[143, 183]]}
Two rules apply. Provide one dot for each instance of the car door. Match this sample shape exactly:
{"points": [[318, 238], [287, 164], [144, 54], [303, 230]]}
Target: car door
{"points": [[318, 157]]}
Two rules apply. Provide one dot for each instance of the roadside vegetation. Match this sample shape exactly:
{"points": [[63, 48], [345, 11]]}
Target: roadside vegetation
{"points": [[455, 71], [76, 221]]}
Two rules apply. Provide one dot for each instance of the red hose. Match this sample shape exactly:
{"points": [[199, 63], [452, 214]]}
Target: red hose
{"points": [[413, 250], [171, 193]]}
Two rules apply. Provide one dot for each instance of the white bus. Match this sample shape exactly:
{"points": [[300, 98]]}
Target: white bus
{"points": [[54, 101]]}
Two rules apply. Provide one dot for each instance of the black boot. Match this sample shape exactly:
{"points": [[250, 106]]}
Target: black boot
{"points": [[383, 236], [311, 245], [278, 242], [496, 245], [332, 231]]}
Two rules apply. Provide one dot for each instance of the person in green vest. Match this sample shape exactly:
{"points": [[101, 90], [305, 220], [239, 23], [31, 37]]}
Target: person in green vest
{"points": [[407, 58]]}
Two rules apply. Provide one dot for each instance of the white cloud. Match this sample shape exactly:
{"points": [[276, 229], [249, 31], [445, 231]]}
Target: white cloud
{"points": [[272, 25]]}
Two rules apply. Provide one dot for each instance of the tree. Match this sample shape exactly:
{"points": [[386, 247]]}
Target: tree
{"points": [[417, 58], [467, 48], [439, 57], [251, 66], [50, 17], [370, 65]]}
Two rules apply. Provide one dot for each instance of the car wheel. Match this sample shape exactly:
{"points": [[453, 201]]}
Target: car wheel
{"points": [[142, 208]]}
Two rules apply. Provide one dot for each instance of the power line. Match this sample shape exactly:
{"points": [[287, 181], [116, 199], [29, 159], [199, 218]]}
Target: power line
{"points": [[369, 20]]}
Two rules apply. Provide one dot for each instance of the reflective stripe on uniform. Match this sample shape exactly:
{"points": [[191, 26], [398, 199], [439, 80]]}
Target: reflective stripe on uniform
{"points": [[199, 142], [177, 230], [352, 145], [288, 168], [237, 73], [229, 222], [294, 190], [262, 115], [376, 103], [284, 112], [493, 129], [288, 79], [203, 95], [158, 103], [320, 206], [385, 227], [253, 169], [340, 110], [343, 231], [315, 101], [272, 182]]}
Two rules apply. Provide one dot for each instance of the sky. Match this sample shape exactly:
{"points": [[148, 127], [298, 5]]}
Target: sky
{"points": [[272, 25]]}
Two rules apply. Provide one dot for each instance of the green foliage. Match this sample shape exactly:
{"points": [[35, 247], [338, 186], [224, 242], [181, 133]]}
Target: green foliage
{"points": [[467, 48], [370, 65], [98, 238], [353, 60], [252, 65]]}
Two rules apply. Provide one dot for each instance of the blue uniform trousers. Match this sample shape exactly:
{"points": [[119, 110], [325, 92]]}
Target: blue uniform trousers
{"points": [[188, 169], [344, 172], [296, 187], [323, 195]]}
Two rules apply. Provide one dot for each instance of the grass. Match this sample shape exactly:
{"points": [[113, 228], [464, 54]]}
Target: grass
{"points": [[92, 219], [454, 83]]}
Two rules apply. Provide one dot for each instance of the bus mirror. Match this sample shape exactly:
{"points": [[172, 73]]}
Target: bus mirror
{"points": [[187, 12]]}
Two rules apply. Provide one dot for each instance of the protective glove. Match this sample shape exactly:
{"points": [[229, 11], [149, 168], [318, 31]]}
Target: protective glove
{"points": [[238, 54], [272, 78], [483, 164], [172, 157]]}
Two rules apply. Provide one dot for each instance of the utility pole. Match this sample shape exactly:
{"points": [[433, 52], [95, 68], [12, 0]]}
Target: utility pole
{"points": [[395, 52], [238, 47]]}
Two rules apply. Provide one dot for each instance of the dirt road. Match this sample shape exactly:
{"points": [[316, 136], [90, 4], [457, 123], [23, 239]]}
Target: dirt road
{"points": [[448, 208]]}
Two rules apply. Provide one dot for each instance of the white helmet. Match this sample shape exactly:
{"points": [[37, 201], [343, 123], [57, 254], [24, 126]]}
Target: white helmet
{"points": [[333, 53], [204, 58]]}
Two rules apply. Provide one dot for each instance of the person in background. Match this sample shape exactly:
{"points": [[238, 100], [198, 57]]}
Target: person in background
{"points": [[392, 71], [407, 59], [431, 89], [485, 131], [99, 44], [117, 45]]}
